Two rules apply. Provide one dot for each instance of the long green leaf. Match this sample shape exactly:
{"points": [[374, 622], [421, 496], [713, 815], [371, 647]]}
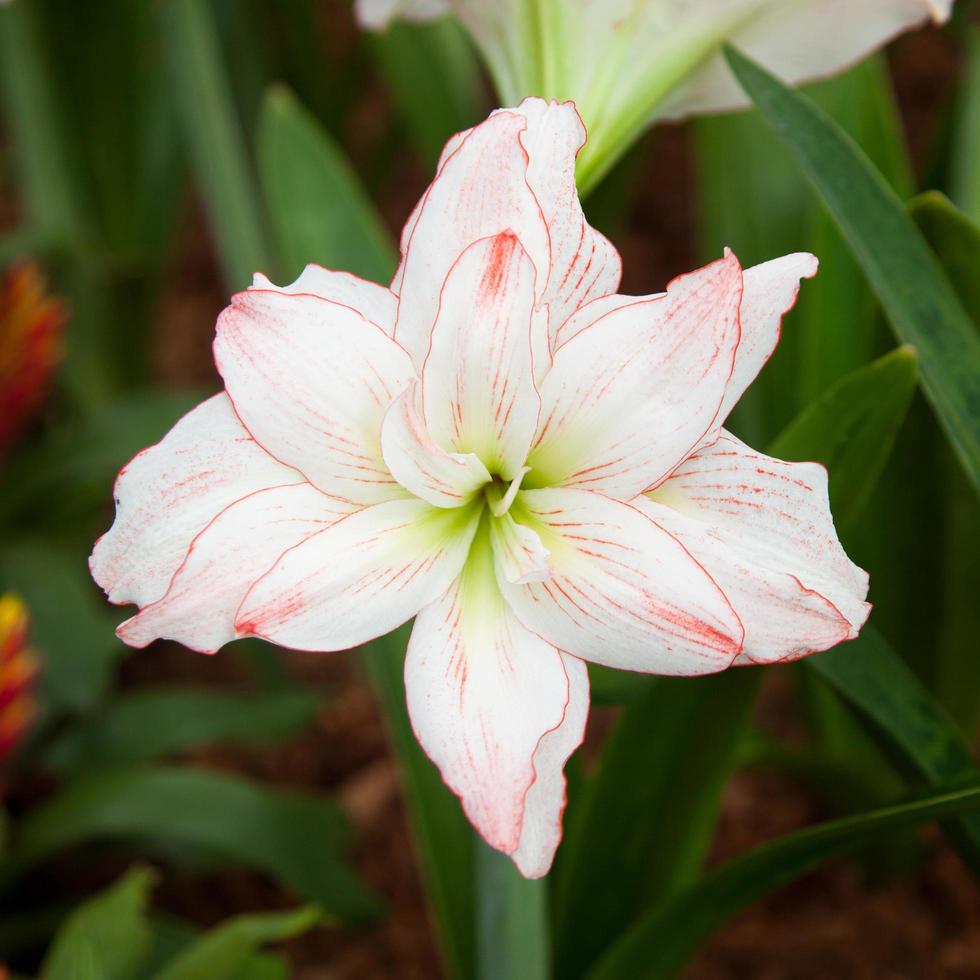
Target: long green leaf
{"points": [[297, 839], [663, 941], [956, 240], [871, 676], [442, 834], [318, 208], [221, 953], [212, 133], [154, 723], [852, 428], [107, 936], [922, 306], [34, 117], [966, 150]]}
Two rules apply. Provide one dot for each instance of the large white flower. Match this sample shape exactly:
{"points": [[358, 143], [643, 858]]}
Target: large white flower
{"points": [[504, 447], [626, 63]]}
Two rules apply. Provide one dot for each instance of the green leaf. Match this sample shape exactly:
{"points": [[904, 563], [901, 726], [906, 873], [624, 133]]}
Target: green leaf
{"points": [[297, 839], [173, 936], [214, 139], [956, 240], [966, 149], [662, 942], [852, 428], [72, 630], [433, 77], [877, 682], [154, 723], [442, 833], [221, 953], [642, 826], [921, 305], [318, 208], [512, 920], [36, 126], [107, 937]]}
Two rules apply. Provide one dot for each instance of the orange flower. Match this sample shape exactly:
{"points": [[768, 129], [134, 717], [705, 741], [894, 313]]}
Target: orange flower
{"points": [[18, 671], [30, 346]]}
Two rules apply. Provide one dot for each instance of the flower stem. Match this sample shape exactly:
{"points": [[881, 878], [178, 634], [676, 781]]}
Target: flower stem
{"points": [[511, 920]]}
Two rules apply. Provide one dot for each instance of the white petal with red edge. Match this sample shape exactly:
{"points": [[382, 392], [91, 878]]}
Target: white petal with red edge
{"points": [[311, 380], [478, 391], [361, 577], [375, 303], [481, 191], [545, 800], [170, 491], [584, 264], [769, 293], [623, 591], [483, 695], [632, 395], [418, 464], [225, 559], [763, 529]]}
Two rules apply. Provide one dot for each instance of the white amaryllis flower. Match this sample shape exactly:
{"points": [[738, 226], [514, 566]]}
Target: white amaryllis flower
{"points": [[626, 63], [504, 447]]}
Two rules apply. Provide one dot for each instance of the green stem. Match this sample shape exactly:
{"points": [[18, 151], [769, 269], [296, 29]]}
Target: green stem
{"points": [[512, 920]]}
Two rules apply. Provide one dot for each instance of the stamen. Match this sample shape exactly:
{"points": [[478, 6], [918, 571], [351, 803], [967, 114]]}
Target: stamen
{"points": [[503, 505]]}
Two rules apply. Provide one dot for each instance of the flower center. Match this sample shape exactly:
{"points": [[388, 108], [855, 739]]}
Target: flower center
{"points": [[500, 500]]}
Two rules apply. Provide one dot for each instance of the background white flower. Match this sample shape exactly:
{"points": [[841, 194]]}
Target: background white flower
{"points": [[626, 63]]}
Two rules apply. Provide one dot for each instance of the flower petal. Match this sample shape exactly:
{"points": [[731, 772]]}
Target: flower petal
{"points": [[623, 592], [630, 397], [478, 392], [359, 578], [545, 800], [375, 15], [584, 264], [769, 293], [170, 491], [419, 465], [798, 41], [481, 191], [375, 303], [224, 560], [311, 381], [518, 550], [515, 172], [764, 531], [498, 710]]}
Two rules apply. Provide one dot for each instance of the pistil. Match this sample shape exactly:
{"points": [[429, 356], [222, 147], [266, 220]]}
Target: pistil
{"points": [[500, 507]]}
